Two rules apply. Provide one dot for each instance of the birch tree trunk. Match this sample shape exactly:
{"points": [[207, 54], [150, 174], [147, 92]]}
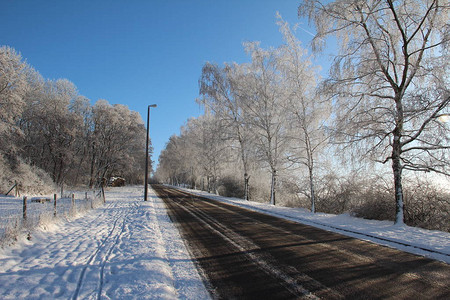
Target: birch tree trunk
{"points": [[397, 168], [273, 188], [312, 190]]}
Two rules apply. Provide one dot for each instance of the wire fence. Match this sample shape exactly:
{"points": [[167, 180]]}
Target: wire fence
{"points": [[23, 215]]}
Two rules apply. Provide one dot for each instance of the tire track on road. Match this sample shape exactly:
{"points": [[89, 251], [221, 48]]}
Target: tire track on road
{"points": [[265, 262], [287, 277]]}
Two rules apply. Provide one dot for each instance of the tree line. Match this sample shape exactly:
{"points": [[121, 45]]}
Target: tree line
{"points": [[273, 122], [49, 134]]}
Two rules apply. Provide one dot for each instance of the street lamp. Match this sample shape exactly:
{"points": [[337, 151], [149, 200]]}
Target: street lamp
{"points": [[146, 152]]}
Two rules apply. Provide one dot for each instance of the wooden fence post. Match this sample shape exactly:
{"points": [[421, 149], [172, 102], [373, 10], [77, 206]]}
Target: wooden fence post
{"points": [[73, 202], [24, 208], [54, 211], [103, 195]]}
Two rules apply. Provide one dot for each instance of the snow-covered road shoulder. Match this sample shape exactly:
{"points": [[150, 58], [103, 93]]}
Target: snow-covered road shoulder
{"points": [[126, 249], [429, 243]]}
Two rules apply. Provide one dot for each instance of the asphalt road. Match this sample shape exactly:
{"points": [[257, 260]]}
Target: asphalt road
{"points": [[244, 254]]}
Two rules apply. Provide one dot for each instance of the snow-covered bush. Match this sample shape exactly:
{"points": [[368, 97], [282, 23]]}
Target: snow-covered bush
{"points": [[427, 206], [374, 206], [231, 187], [31, 179]]}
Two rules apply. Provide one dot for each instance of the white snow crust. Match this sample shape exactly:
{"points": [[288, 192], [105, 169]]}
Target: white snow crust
{"points": [[127, 249]]}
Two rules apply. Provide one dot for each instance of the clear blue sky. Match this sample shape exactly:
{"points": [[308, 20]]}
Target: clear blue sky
{"points": [[141, 52]]}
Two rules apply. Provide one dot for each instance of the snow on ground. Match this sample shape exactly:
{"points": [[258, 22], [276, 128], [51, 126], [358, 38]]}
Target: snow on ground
{"points": [[126, 249], [430, 243]]}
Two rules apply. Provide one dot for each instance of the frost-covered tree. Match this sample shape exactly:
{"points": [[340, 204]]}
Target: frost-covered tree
{"points": [[13, 87], [218, 88], [130, 156], [171, 161], [45, 126], [306, 111], [197, 156], [17, 80], [117, 135], [207, 136], [260, 88], [49, 127], [389, 80], [82, 110]]}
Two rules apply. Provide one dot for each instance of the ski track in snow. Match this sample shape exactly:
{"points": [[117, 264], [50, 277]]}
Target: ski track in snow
{"points": [[126, 249]]}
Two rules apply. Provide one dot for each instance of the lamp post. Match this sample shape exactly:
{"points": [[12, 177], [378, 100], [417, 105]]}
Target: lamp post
{"points": [[146, 152]]}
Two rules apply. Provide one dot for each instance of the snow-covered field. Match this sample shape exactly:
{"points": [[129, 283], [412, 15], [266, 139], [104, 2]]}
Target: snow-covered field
{"points": [[430, 243], [130, 249], [127, 249]]}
